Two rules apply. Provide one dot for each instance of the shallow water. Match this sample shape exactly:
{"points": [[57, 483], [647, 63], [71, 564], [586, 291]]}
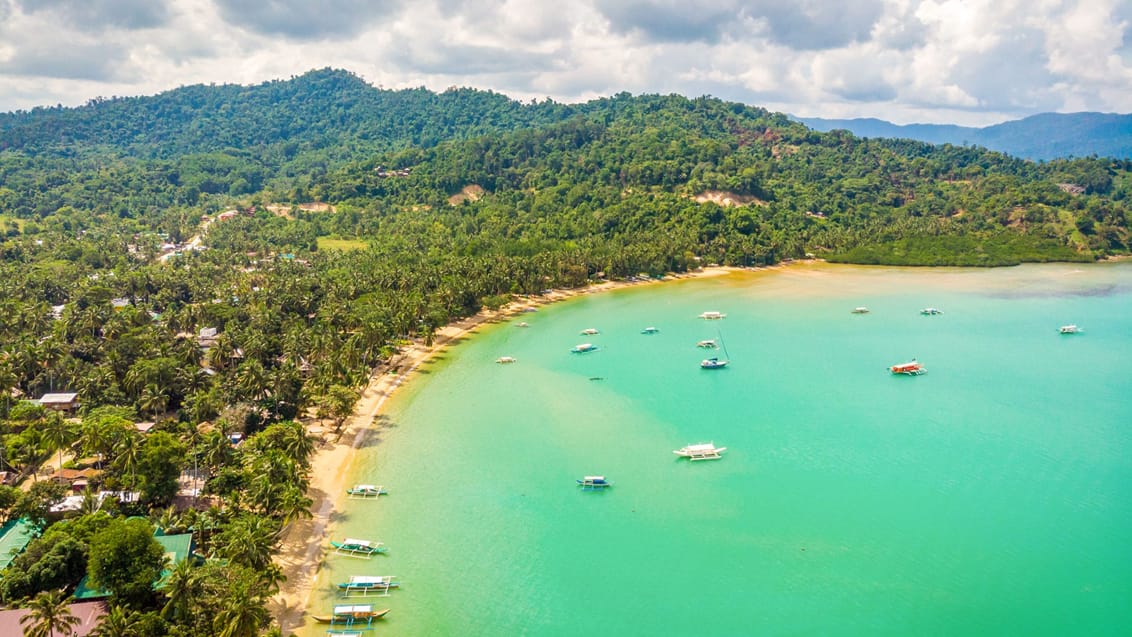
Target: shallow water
{"points": [[990, 496]]}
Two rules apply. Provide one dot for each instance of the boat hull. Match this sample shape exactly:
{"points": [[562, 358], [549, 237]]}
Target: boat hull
{"points": [[350, 618]]}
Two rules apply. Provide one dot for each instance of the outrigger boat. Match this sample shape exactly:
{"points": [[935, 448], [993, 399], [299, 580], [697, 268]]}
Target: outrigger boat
{"points": [[911, 368], [713, 316], [505, 360], [522, 324], [368, 585], [702, 451], [594, 482], [859, 310], [713, 363], [366, 491], [650, 330], [930, 311], [349, 615], [708, 344], [1069, 329], [583, 348], [358, 548], [589, 331]]}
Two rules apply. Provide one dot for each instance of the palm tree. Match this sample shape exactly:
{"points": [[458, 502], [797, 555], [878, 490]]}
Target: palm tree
{"points": [[153, 399], [128, 453], [57, 433], [119, 622], [292, 504], [182, 588], [50, 616], [247, 540], [244, 611]]}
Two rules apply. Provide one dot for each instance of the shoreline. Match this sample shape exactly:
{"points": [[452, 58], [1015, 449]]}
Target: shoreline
{"points": [[302, 546]]}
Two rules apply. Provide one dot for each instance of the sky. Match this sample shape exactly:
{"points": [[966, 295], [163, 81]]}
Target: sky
{"points": [[969, 62]]}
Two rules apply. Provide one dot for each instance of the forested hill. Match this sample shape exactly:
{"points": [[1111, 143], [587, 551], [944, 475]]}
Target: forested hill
{"points": [[1039, 137], [316, 110], [681, 177]]}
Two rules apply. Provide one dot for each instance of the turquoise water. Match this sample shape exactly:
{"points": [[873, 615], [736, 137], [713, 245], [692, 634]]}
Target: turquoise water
{"points": [[991, 496]]}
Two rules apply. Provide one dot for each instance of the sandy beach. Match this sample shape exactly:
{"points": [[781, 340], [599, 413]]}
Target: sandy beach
{"points": [[302, 547]]}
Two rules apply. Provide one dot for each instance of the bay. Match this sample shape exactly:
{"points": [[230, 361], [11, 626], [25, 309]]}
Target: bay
{"points": [[990, 496]]}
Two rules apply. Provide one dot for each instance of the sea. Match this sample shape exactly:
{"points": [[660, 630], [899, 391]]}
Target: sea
{"points": [[990, 496]]}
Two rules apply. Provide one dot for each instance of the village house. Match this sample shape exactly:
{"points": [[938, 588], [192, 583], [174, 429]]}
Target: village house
{"points": [[60, 401], [76, 479]]}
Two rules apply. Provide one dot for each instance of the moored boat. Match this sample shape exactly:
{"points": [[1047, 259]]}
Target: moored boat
{"points": [[368, 585], [590, 331], [583, 348], [859, 310], [702, 451], [349, 615], [505, 360], [358, 548], [1069, 329], [594, 482], [522, 324], [713, 363], [366, 491], [712, 315], [911, 368], [651, 330], [708, 344], [930, 311]]}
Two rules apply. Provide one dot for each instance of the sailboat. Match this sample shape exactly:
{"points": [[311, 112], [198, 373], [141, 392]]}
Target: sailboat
{"points": [[715, 362]]}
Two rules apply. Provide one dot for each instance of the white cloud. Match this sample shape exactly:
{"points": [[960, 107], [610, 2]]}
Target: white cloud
{"points": [[962, 61]]}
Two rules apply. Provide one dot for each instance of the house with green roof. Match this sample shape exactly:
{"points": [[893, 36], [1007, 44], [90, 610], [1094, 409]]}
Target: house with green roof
{"points": [[14, 538], [178, 548]]}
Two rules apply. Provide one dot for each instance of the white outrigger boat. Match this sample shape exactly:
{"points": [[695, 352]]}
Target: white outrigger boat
{"points": [[859, 310], [594, 482], [583, 348], [713, 316], [522, 324], [590, 331], [708, 344], [366, 491], [505, 360], [702, 451], [1069, 329], [353, 547], [349, 615], [368, 586]]}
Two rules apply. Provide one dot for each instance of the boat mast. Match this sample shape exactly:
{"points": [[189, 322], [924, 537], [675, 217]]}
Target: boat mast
{"points": [[723, 345]]}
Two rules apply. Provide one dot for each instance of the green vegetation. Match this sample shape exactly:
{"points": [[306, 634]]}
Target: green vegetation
{"points": [[328, 243], [281, 319]]}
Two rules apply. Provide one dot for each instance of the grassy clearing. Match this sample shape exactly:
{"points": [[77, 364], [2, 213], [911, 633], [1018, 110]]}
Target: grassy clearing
{"points": [[345, 245]]}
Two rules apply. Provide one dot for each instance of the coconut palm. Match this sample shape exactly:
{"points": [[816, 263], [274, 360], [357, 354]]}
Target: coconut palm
{"points": [[153, 399], [57, 434], [50, 616], [128, 453], [182, 588], [247, 540], [119, 622], [244, 611]]}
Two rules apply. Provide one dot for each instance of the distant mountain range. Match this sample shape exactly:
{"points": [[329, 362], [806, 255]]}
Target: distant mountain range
{"points": [[1044, 136]]}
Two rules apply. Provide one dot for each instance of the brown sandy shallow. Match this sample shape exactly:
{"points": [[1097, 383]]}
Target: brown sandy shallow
{"points": [[302, 547]]}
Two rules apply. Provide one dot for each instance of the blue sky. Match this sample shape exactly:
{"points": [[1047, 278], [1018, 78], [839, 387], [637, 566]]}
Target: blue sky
{"points": [[971, 62]]}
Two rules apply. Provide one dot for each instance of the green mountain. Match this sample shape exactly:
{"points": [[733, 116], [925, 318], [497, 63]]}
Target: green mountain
{"points": [[723, 181], [1045, 136]]}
